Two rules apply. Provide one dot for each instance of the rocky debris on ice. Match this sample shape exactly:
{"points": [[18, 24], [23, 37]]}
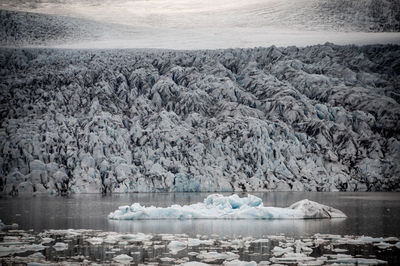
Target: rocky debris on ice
{"points": [[217, 206], [319, 118]]}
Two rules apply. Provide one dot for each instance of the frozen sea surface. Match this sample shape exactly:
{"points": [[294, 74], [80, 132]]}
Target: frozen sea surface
{"points": [[373, 214]]}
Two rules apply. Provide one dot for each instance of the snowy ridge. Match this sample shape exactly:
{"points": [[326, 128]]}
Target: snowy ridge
{"points": [[320, 118], [217, 206]]}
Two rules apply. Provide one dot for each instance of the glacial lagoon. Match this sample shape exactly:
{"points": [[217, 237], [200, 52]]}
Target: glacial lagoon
{"points": [[372, 214], [369, 235]]}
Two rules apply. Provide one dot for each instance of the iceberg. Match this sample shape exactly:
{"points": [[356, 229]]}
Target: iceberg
{"points": [[217, 206]]}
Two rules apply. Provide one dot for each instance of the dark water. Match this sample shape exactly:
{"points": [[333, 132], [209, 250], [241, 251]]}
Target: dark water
{"points": [[372, 214]]}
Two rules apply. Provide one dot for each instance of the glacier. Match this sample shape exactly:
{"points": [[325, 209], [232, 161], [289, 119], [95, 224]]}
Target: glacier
{"points": [[217, 206], [317, 118]]}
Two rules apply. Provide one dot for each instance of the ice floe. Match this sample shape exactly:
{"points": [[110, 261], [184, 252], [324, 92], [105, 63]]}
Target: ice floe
{"points": [[176, 246], [123, 258], [22, 247], [217, 206], [59, 246]]}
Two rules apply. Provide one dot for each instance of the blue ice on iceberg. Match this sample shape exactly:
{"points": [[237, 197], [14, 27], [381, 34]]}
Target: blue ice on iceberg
{"points": [[217, 206]]}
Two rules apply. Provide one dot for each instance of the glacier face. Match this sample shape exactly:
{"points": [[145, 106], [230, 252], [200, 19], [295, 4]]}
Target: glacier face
{"points": [[319, 118]]}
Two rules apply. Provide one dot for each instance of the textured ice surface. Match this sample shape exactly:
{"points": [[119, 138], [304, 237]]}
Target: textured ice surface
{"points": [[320, 118], [217, 206]]}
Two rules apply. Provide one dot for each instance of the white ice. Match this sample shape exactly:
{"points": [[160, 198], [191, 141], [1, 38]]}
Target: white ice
{"points": [[239, 263], [217, 206], [176, 246], [123, 258], [59, 246]]}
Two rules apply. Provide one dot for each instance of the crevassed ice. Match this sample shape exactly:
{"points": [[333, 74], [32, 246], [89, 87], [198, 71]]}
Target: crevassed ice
{"points": [[217, 206]]}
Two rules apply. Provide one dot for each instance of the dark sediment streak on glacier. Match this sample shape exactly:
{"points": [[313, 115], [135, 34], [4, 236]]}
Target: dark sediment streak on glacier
{"points": [[320, 118]]}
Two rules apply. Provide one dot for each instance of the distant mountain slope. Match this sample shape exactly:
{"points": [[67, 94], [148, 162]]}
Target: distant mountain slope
{"points": [[320, 118], [190, 24], [337, 15], [34, 29], [357, 15]]}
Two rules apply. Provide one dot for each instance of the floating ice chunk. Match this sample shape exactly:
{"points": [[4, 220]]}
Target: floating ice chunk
{"points": [[36, 264], [167, 259], [176, 246], [240, 263], [194, 263], [357, 261], [37, 255], [192, 242], [278, 251], [392, 238], [213, 256], [46, 240], [193, 253], [59, 246], [139, 237], [216, 206], [95, 240], [313, 209], [123, 258], [69, 233], [360, 240], [35, 247], [383, 245], [339, 250], [261, 240], [13, 248], [292, 257]]}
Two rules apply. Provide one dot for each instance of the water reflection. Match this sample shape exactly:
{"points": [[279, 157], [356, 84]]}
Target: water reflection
{"points": [[225, 227]]}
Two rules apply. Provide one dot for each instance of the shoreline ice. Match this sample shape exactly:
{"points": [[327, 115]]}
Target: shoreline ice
{"points": [[217, 206]]}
